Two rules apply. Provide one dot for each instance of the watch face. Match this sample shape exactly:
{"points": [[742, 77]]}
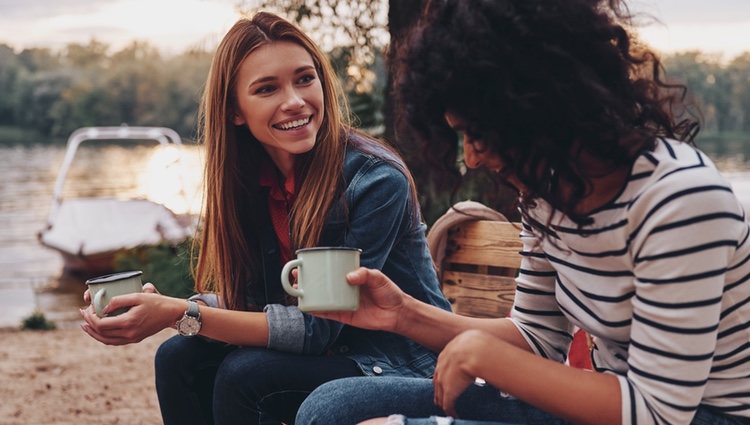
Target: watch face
{"points": [[189, 326]]}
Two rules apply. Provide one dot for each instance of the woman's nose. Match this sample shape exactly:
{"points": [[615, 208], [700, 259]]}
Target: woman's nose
{"points": [[472, 158], [293, 101]]}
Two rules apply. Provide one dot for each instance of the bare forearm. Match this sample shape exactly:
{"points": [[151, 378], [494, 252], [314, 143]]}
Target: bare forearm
{"points": [[551, 386], [235, 327], [434, 327]]}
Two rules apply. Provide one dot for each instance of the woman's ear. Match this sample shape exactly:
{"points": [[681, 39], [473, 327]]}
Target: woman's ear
{"points": [[238, 119]]}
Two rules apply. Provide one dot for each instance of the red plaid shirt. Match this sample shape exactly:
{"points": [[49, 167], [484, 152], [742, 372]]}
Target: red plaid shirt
{"points": [[279, 206]]}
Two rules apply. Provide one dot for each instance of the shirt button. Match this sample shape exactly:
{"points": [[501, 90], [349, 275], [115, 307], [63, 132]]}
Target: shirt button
{"points": [[343, 349], [378, 370]]}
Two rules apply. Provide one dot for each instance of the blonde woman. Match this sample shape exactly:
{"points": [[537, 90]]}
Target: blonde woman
{"points": [[283, 171]]}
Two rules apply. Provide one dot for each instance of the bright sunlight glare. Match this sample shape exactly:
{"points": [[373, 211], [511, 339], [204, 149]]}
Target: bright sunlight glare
{"points": [[173, 177]]}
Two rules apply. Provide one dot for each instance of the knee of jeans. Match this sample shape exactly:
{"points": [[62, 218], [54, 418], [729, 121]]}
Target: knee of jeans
{"points": [[326, 403], [170, 356], [248, 368]]}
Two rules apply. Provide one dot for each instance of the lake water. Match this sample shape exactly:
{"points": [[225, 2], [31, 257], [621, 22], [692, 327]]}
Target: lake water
{"points": [[31, 275]]}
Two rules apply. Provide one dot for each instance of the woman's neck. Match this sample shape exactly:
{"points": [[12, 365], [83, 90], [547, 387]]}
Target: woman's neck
{"points": [[604, 189], [284, 161]]}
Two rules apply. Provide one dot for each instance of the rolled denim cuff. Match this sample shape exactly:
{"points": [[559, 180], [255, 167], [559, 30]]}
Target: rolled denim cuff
{"points": [[286, 328], [211, 299], [396, 420]]}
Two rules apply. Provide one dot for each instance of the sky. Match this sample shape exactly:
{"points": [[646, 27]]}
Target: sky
{"points": [[719, 26]]}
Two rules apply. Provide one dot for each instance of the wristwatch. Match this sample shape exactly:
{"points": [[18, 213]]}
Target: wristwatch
{"points": [[190, 323]]}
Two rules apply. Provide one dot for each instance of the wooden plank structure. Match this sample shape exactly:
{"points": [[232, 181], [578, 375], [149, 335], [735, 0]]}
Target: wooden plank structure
{"points": [[479, 268], [478, 274]]}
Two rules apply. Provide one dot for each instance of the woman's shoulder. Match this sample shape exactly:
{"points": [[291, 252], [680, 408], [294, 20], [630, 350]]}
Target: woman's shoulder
{"points": [[673, 163], [676, 171], [364, 153], [360, 144]]}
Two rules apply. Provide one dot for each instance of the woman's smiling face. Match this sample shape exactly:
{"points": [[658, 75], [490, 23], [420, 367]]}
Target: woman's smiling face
{"points": [[280, 99]]}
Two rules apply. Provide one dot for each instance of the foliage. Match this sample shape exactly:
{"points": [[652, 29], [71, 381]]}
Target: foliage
{"points": [[37, 322], [166, 266], [718, 92], [52, 93], [83, 85], [357, 25]]}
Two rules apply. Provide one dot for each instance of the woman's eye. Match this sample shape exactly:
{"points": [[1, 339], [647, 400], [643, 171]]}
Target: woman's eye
{"points": [[265, 89], [306, 79]]}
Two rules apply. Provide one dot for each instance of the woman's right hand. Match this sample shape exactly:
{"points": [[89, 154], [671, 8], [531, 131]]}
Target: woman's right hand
{"points": [[380, 302]]}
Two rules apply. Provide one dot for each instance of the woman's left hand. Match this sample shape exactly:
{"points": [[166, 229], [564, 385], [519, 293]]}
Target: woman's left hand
{"points": [[460, 363], [149, 313]]}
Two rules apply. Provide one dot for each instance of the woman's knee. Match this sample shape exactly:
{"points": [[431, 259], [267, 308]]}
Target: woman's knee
{"points": [[352, 400], [326, 404], [171, 354], [250, 369], [181, 354]]}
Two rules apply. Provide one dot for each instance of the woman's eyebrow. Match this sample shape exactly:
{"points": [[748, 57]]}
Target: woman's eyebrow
{"points": [[303, 69], [274, 78], [263, 80]]}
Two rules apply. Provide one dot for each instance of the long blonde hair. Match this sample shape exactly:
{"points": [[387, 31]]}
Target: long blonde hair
{"points": [[228, 250]]}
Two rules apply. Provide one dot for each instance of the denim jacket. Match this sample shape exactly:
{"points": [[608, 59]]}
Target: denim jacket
{"points": [[376, 214]]}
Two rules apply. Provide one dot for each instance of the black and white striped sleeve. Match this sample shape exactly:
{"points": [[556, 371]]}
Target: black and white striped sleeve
{"points": [[684, 233], [535, 310]]}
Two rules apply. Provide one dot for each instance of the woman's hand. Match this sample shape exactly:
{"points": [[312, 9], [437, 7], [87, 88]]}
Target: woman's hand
{"points": [[460, 363], [149, 313], [380, 302]]}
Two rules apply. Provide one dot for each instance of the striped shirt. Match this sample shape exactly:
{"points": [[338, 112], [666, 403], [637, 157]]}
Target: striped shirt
{"points": [[661, 280]]}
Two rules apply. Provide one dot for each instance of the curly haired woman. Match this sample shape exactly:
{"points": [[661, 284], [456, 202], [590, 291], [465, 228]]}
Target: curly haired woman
{"points": [[629, 232]]}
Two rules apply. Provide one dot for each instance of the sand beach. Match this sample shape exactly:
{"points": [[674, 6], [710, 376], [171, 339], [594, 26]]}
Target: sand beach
{"points": [[65, 377]]}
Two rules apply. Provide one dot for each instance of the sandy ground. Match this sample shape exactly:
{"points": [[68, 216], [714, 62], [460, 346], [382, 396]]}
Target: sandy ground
{"points": [[64, 377]]}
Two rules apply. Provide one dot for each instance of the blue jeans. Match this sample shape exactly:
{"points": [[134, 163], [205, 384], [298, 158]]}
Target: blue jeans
{"points": [[352, 400], [204, 382]]}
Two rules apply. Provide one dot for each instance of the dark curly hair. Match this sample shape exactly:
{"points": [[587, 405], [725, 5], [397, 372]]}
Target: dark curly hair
{"points": [[540, 82]]}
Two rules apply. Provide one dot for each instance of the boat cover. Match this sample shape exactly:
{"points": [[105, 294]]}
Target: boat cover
{"points": [[92, 226]]}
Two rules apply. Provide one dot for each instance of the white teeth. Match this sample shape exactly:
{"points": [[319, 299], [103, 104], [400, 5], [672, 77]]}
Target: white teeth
{"points": [[293, 124]]}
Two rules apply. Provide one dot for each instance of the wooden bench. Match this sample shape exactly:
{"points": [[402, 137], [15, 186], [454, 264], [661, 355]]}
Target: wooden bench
{"points": [[478, 272], [479, 268]]}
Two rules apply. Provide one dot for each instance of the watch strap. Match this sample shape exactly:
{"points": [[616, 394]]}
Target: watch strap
{"points": [[193, 310]]}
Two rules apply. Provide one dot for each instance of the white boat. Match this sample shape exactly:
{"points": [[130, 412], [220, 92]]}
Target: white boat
{"points": [[89, 232]]}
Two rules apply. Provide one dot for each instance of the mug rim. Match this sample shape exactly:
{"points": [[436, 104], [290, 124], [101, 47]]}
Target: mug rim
{"points": [[328, 248], [114, 277]]}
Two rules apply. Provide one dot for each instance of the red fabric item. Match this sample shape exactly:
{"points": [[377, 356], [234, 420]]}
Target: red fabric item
{"points": [[280, 201], [579, 355]]}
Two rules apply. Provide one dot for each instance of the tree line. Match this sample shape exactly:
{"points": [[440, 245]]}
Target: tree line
{"points": [[54, 92]]}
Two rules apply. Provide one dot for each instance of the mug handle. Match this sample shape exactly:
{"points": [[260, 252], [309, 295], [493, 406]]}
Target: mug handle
{"points": [[285, 278], [98, 301]]}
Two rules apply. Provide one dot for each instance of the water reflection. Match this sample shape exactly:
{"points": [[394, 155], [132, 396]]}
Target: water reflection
{"points": [[31, 275], [167, 174]]}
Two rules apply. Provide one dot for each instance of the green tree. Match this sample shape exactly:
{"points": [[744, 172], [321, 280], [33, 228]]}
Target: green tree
{"points": [[183, 77], [738, 73], [39, 59], [10, 70], [38, 95]]}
